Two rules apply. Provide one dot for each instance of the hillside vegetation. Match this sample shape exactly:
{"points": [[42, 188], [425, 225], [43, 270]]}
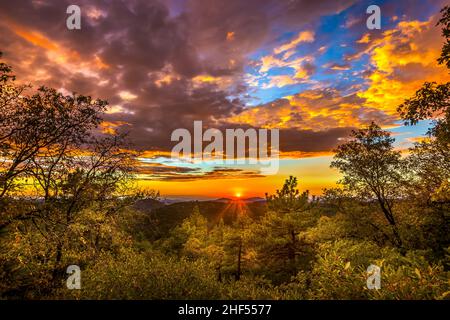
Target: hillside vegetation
{"points": [[68, 197]]}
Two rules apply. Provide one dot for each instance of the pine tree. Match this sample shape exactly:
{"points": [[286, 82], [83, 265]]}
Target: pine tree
{"points": [[278, 236]]}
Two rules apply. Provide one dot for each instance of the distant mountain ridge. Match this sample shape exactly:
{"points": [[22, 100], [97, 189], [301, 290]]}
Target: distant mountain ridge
{"points": [[147, 205], [165, 217], [246, 200]]}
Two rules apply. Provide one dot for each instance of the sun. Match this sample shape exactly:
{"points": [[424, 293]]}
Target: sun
{"points": [[238, 194]]}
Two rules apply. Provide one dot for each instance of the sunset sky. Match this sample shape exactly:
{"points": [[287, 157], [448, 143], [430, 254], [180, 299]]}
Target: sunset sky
{"points": [[309, 68]]}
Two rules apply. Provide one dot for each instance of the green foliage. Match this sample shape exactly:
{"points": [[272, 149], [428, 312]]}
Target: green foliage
{"points": [[429, 160], [5, 72], [279, 236], [430, 101], [372, 171], [369, 163], [167, 217], [340, 273], [445, 22], [145, 275], [288, 199], [34, 255]]}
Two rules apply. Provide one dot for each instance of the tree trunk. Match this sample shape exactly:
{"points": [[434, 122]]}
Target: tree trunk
{"points": [[219, 273], [238, 270], [291, 252], [390, 218], [56, 270]]}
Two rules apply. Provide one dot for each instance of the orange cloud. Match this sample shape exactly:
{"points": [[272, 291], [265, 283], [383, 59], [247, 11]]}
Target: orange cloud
{"points": [[155, 154], [35, 38], [127, 95], [270, 61], [280, 81], [314, 174], [230, 36], [418, 139], [304, 154], [67, 59], [304, 36], [205, 79], [316, 110], [110, 127], [364, 39], [403, 58], [281, 55]]}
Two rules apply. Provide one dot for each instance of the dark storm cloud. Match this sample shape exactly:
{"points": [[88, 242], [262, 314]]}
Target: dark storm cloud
{"points": [[216, 173], [155, 169], [312, 141], [133, 44]]}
